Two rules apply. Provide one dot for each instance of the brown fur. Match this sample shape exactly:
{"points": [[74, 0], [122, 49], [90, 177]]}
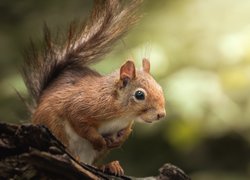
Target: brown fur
{"points": [[85, 44], [66, 91], [86, 99]]}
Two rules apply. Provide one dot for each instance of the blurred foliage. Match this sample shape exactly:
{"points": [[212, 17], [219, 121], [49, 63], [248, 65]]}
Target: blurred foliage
{"points": [[200, 54]]}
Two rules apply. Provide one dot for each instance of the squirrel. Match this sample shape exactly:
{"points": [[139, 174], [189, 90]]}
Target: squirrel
{"points": [[88, 112]]}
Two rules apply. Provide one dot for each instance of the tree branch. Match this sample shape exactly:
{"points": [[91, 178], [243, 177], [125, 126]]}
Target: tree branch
{"points": [[31, 151]]}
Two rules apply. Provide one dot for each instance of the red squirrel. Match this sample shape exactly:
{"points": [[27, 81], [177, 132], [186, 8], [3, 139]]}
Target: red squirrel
{"points": [[88, 112]]}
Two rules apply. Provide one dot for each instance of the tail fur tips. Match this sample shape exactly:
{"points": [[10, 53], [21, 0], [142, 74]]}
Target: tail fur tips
{"points": [[108, 22]]}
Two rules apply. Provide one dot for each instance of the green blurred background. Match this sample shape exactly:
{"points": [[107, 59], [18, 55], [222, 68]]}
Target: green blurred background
{"points": [[200, 54]]}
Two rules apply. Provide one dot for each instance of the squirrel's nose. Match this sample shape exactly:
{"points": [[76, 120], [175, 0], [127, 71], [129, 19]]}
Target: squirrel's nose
{"points": [[161, 115]]}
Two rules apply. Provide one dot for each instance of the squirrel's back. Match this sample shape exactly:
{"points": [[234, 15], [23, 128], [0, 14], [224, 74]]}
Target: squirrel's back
{"points": [[84, 45]]}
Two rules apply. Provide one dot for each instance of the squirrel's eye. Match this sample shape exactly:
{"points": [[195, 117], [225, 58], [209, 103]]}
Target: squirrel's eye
{"points": [[139, 95]]}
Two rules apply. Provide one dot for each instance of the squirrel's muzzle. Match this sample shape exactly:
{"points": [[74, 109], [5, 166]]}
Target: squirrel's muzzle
{"points": [[161, 115]]}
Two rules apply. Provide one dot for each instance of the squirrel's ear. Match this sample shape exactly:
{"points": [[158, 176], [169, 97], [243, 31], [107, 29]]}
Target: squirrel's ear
{"points": [[146, 65], [127, 72]]}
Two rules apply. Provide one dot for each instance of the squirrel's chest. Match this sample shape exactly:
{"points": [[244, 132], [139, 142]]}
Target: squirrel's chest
{"points": [[114, 125]]}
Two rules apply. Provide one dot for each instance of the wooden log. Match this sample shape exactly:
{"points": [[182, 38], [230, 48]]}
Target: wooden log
{"points": [[32, 152]]}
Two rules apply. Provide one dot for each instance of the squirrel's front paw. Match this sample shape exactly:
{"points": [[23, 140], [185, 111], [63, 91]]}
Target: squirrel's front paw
{"points": [[117, 139], [99, 144], [112, 142]]}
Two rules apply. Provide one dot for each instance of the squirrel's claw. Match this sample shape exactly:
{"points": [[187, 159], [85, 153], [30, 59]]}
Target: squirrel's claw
{"points": [[113, 167]]}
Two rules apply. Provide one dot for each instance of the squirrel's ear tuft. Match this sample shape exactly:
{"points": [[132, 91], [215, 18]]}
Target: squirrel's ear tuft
{"points": [[127, 72], [146, 65]]}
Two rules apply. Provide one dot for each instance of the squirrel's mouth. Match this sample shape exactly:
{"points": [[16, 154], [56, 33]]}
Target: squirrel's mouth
{"points": [[139, 119], [147, 121]]}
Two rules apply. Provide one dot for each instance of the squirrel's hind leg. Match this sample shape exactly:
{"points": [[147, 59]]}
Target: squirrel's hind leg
{"points": [[113, 167]]}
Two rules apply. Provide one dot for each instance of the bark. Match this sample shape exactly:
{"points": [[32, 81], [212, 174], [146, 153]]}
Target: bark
{"points": [[32, 152]]}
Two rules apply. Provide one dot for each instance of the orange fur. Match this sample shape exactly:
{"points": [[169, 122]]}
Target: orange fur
{"points": [[88, 112], [88, 101]]}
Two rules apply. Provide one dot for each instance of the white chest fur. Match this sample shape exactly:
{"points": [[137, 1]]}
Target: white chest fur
{"points": [[83, 148], [79, 146], [115, 125]]}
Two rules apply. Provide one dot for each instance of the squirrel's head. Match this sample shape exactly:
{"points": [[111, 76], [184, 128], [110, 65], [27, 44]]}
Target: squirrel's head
{"points": [[141, 94]]}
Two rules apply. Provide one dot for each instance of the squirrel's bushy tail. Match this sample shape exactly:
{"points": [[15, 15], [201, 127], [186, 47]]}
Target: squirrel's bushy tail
{"points": [[109, 20]]}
